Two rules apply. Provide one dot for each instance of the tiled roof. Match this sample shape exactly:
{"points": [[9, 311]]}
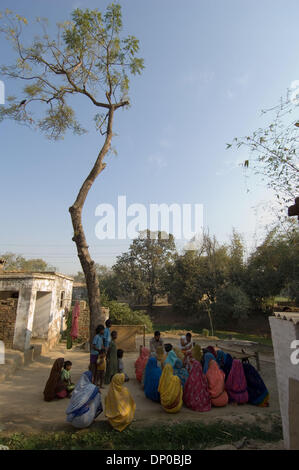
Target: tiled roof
{"points": [[291, 316]]}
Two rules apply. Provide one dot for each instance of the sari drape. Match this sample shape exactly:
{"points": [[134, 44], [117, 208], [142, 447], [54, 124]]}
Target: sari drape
{"points": [[141, 363], [152, 379], [85, 404], [257, 391], [111, 363], [196, 392], [180, 371], [216, 383], [54, 383], [119, 404], [170, 390], [207, 358], [171, 358], [236, 385]]}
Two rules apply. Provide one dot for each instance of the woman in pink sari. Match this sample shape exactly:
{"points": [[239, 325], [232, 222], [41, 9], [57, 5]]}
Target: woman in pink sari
{"points": [[196, 392], [236, 385], [141, 362], [216, 384]]}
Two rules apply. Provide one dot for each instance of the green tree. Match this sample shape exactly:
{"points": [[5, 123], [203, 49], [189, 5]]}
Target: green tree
{"points": [[14, 262], [140, 271], [273, 151], [89, 58]]}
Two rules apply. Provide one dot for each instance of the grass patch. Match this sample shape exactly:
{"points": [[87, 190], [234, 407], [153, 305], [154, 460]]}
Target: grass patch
{"points": [[188, 435]]}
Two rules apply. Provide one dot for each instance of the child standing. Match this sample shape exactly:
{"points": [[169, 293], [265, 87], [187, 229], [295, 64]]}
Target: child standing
{"points": [[97, 345], [101, 367], [120, 364]]}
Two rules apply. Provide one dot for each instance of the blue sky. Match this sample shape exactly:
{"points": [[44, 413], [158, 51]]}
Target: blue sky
{"points": [[210, 67]]}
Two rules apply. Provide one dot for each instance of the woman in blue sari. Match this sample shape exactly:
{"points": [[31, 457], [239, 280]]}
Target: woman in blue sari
{"points": [[180, 371], [85, 404], [151, 379]]}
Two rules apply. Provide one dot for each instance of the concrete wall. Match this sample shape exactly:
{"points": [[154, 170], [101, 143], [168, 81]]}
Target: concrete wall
{"points": [[283, 333], [42, 311], [39, 304]]}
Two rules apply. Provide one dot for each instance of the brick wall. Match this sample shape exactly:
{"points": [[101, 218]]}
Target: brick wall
{"points": [[8, 313]]}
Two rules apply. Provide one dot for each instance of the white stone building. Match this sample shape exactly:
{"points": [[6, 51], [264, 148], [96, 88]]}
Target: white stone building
{"points": [[285, 337], [40, 302]]}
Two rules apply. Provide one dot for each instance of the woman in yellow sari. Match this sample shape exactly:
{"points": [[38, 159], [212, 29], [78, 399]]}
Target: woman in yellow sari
{"points": [[120, 406], [171, 391]]}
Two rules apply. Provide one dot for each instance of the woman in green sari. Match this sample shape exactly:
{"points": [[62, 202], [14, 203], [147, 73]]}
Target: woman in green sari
{"points": [[112, 363]]}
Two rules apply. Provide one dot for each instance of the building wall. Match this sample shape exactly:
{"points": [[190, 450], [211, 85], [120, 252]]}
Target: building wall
{"points": [[8, 313], [31, 316], [283, 333]]}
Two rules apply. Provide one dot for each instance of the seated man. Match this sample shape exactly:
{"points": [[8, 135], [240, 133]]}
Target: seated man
{"points": [[155, 342]]}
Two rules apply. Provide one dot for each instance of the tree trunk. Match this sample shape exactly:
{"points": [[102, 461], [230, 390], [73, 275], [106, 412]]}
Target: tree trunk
{"points": [[88, 265]]}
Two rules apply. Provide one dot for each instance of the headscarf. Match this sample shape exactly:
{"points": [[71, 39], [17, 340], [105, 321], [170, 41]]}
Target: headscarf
{"points": [[197, 353], [183, 338], [236, 385], [215, 378], [171, 358], [180, 371], [220, 358], [141, 362], [196, 392], [54, 384], [207, 358], [170, 390], [119, 404], [228, 362], [151, 380], [211, 350], [257, 391], [179, 353], [82, 395]]}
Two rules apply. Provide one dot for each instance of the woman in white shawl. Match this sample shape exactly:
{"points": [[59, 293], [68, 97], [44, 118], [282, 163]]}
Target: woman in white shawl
{"points": [[85, 404]]}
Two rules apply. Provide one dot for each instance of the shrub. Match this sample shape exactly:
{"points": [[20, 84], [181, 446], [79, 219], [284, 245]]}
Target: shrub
{"points": [[122, 314], [205, 332]]}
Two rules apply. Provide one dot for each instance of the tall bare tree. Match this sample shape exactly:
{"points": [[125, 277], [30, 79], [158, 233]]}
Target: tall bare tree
{"points": [[87, 57]]}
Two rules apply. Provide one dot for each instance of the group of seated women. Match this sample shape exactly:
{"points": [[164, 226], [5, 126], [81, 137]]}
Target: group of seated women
{"points": [[85, 398], [198, 378]]}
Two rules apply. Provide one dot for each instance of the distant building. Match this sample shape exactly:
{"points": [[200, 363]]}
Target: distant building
{"points": [[32, 306]]}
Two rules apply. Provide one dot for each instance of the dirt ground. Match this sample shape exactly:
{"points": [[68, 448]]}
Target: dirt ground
{"points": [[22, 408]]}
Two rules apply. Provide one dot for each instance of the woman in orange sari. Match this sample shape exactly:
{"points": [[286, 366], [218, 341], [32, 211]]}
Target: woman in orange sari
{"points": [[171, 391], [216, 384]]}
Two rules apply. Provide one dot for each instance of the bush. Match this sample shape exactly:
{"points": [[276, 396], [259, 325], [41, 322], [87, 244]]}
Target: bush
{"points": [[232, 302], [122, 314], [205, 332]]}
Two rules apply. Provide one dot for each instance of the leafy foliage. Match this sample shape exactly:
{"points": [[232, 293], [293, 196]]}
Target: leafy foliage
{"points": [[88, 57], [15, 262]]}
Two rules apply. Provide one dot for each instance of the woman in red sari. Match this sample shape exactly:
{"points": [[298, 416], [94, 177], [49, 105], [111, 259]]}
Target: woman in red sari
{"points": [[55, 387], [236, 385], [141, 362], [196, 392], [216, 384]]}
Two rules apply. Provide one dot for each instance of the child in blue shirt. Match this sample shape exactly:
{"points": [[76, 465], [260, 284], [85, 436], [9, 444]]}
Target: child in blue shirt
{"points": [[97, 345]]}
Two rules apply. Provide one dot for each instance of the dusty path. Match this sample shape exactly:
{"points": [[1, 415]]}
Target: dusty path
{"points": [[22, 408]]}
